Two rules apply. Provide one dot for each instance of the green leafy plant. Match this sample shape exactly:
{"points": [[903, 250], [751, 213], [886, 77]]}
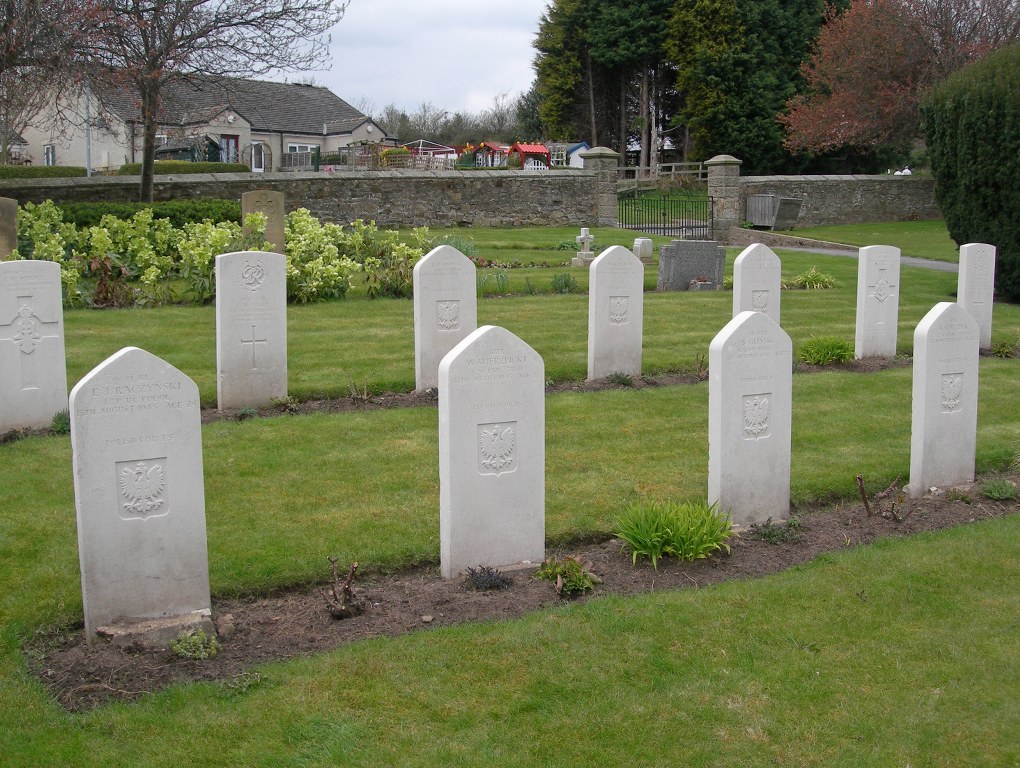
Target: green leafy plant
{"points": [[620, 379], [778, 533], [243, 414], [727, 283], [811, 279], [999, 489], [1007, 349], [570, 575], [463, 244], [684, 530], [494, 282], [564, 283], [955, 494], [485, 579], [285, 404], [61, 424], [195, 644], [825, 350]]}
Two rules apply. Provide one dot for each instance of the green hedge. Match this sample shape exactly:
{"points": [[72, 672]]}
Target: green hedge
{"points": [[40, 171], [162, 167], [971, 124], [179, 212]]}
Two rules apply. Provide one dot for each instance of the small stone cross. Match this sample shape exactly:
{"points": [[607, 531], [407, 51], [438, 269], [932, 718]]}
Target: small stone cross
{"points": [[585, 240]]}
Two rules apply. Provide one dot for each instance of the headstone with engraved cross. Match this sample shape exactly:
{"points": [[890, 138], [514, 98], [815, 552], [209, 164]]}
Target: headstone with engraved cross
{"points": [[878, 301], [585, 256], [33, 377], [251, 328], [8, 226], [270, 204], [976, 286]]}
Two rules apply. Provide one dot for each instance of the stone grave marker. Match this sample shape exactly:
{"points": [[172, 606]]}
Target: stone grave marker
{"points": [[643, 249], [445, 309], [943, 426], [684, 262], [585, 256], [615, 313], [8, 226], [136, 442], [750, 364], [787, 213], [878, 301], [33, 374], [251, 328], [272, 205], [976, 286], [757, 281], [491, 453]]}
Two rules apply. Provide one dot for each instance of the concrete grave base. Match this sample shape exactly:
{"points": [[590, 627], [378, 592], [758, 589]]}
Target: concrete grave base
{"points": [[156, 634]]}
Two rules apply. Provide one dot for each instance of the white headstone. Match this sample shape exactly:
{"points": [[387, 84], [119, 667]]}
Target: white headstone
{"points": [[251, 328], [585, 255], [976, 286], [757, 281], [136, 440], [8, 226], [33, 375], [615, 313], [878, 301], [491, 453], [750, 364], [943, 427], [445, 309], [270, 203], [643, 249]]}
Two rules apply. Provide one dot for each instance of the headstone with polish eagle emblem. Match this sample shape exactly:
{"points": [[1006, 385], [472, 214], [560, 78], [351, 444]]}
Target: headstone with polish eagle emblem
{"points": [[976, 286], [445, 309], [136, 447], [33, 374], [251, 328], [943, 427], [750, 386], [878, 301], [757, 281], [616, 287], [491, 453]]}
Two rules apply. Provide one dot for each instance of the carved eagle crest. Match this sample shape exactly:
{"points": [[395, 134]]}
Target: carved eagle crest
{"points": [[756, 415], [142, 486], [448, 315], [496, 447], [952, 392]]}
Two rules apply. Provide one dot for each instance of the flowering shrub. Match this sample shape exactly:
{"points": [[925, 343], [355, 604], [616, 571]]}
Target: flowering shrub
{"points": [[146, 260]]}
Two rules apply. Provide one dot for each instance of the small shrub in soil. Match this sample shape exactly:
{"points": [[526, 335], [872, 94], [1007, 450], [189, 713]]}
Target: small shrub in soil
{"points": [[195, 645], [485, 579], [825, 350], [571, 576], [778, 533], [684, 530], [999, 489]]}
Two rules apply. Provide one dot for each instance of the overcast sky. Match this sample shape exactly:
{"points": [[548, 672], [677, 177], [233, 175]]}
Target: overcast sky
{"points": [[456, 54]]}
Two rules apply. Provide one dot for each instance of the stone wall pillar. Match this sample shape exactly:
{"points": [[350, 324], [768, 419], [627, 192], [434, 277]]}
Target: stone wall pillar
{"points": [[724, 189], [605, 162]]}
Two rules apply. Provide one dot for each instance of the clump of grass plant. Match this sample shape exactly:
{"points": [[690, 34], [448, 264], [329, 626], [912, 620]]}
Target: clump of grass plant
{"points": [[684, 530], [571, 576], [486, 579], [463, 244], [564, 283], [620, 379], [825, 350], [494, 282], [1007, 349], [61, 424], [811, 279], [998, 489]]}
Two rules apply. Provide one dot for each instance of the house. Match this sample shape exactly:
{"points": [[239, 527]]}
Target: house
{"points": [[268, 126], [13, 147], [490, 155], [534, 157], [566, 153]]}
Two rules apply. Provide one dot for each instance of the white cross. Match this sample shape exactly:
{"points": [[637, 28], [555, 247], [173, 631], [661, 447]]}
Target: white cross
{"points": [[253, 341], [27, 333], [585, 240]]}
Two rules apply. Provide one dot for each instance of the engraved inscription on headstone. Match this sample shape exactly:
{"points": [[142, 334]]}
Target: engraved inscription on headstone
{"points": [[943, 434], [878, 286], [445, 309], [757, 281], [976, 286], [615, 313], [33, 379], [749, 419], [136, 440], [251, 328], [491, 452]]}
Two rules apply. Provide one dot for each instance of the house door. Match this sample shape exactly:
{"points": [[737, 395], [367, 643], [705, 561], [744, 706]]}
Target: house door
{"points": [[228, 149], [258, 158]]}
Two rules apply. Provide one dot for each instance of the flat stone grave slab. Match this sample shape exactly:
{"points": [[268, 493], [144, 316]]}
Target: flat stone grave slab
{"points": [[683, 261], [33, 373], [615, 313], [136, 443], [491, 453], [445, 309]]}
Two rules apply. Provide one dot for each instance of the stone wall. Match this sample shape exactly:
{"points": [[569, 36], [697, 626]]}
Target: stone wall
{"points": [[390, 198], [850, 199]]}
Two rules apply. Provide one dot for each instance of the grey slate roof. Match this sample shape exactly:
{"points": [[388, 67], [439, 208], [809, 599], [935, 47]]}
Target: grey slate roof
{"points": [[267, 106]]}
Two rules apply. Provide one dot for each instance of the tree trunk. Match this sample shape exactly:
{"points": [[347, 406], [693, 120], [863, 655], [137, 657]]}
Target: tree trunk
{"points": [[653, 123], [591, 104], [623, 119], [150, 113], [643, 112]]}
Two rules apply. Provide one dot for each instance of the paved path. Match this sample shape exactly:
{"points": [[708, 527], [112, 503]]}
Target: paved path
{"points": [[909, 261]]}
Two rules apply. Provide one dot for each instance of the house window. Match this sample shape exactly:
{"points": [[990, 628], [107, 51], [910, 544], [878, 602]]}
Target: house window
{"points": [[301, 147], [161, 139], [49, 154], [258, 157]]}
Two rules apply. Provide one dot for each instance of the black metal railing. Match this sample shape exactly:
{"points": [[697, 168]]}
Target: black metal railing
{"points": [[682, 217]]}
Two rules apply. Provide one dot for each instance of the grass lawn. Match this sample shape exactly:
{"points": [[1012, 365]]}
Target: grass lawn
{"points": [[923, 239], [899, 653]]}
